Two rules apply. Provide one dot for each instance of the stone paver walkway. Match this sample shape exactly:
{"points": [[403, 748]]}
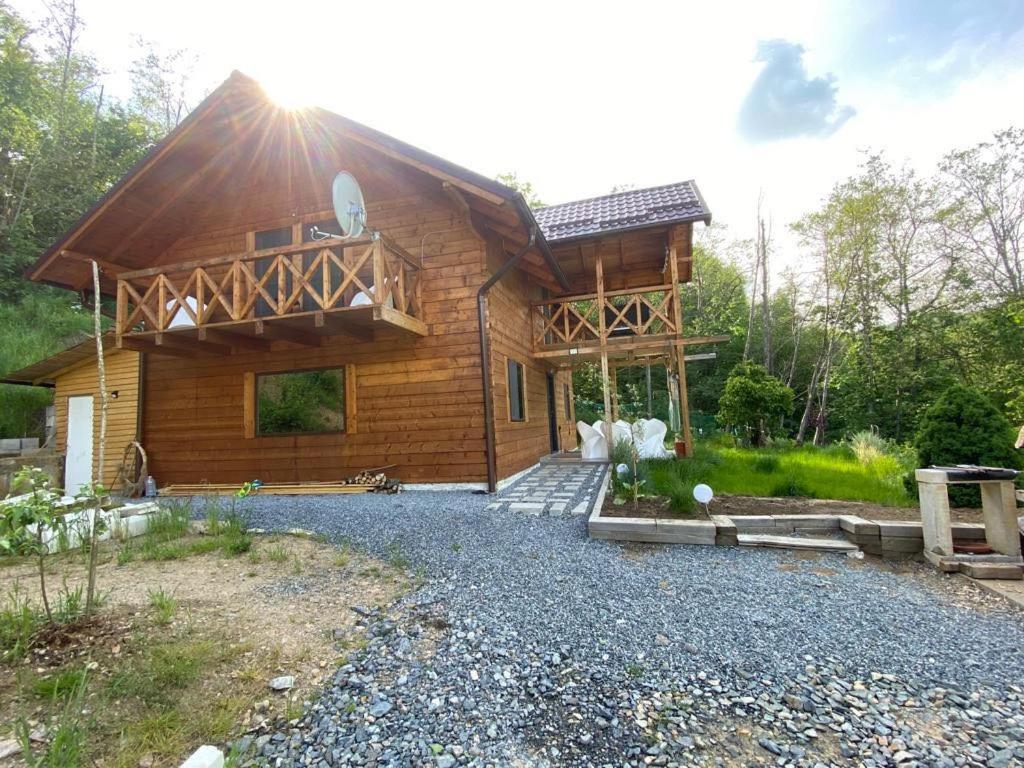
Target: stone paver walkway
{"points": [[553, 489]]}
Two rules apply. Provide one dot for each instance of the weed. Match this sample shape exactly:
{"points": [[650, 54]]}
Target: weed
{"points": [[456, 547], [277, 553], [792, 486], [125, 555], [395, 556], [18, 622], [60, 685], [164, 604], [255, 557], [292, 708], [65, 747], [296, 567], [634, 670], [766, 463]]}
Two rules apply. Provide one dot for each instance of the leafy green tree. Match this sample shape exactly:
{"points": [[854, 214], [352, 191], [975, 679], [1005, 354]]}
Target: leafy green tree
{"points": [[754, 400], [525, 188], [34, 507]]}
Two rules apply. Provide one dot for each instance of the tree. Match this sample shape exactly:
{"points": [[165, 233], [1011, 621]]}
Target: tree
{"points": [[525, 188], [986, 218], [754, 400], [35, 507]]}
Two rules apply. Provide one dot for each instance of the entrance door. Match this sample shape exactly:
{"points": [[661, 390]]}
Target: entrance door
{"points": [[552, 414], [78, 463]]}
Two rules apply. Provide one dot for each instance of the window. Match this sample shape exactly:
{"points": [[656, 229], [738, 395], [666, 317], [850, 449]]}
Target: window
{"points": [[300, 402], [270, 238], [516, 392], [568, 402]]}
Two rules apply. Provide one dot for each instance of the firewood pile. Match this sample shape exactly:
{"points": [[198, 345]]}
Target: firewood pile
{"points": [[374, 482]]}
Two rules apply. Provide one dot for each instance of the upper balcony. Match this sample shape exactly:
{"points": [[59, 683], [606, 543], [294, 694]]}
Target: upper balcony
{"points": [[298, 293], [625, 323]]}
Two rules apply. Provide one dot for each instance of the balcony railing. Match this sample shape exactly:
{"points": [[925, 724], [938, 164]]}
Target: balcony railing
{"points": [[574, 323], [295, 281]]}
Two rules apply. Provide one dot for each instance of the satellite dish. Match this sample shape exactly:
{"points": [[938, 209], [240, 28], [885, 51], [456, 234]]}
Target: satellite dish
{"points": [[349, 207]]}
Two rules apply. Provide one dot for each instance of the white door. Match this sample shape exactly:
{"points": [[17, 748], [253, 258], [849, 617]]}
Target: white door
{"points": [[78, 464]]}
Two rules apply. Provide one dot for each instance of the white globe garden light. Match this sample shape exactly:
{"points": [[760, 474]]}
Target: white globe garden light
{"points": [[703, 493], [621, 470]]}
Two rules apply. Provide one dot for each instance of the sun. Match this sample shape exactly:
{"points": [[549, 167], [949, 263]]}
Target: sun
{"points": [[290, 92]]}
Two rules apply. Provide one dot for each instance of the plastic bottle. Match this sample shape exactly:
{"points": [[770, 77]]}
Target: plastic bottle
{"points": [[150, 486]]}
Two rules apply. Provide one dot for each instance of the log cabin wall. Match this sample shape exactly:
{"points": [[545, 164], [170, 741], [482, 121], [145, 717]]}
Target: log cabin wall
{"points": [[419, 401], [122, 370], [519, 444]]}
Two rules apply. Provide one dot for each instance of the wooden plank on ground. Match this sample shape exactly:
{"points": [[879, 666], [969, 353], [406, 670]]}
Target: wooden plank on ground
{"points": [[794, 542]]}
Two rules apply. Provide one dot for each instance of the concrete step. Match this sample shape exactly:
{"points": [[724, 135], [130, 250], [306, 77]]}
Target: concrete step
{"points": [[992, 570], [795, 542]]}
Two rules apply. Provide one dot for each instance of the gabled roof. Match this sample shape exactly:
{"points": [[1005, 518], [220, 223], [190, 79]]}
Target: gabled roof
{"points": [[42, 373], [622, 211]]}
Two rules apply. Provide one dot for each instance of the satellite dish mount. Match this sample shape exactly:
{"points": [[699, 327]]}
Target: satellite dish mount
{"points": [[349, 209]]}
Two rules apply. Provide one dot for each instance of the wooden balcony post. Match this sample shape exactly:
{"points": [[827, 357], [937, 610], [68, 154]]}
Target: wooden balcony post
{"points": [[378, 272], [680, 349], [599, 267], [122, 309]]}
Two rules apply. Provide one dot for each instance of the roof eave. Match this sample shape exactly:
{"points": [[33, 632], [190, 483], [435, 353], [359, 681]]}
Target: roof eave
{"points": [[704, 217]]}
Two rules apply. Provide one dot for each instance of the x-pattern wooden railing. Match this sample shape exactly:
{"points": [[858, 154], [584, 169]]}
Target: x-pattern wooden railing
{"points": [[576, 320], [313, 277]]}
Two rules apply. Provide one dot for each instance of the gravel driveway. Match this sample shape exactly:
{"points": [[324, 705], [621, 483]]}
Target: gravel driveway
{"points": [[530, 644]]}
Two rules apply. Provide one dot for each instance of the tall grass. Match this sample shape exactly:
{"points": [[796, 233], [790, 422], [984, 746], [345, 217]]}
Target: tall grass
{"points": [[834, 472]]}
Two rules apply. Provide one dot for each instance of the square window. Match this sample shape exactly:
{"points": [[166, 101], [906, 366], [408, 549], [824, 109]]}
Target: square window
{"points": [[300, 402]]}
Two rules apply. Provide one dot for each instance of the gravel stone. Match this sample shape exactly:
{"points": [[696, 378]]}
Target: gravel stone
{"points": [[561, 630]]}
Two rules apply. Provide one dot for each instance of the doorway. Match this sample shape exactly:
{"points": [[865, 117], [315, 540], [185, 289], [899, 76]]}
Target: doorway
{"points": [[552, 414], [78, 460]]}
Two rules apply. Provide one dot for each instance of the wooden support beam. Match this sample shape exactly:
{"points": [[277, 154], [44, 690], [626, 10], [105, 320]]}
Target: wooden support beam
{"points": [[136, 344], [174, 341], [677, 311], [283, 333], [599, 267], [230, 339], [456, 197]]}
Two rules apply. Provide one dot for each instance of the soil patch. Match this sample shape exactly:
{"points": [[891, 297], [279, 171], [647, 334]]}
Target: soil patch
{"points": [[658, 507], [161, 683]]}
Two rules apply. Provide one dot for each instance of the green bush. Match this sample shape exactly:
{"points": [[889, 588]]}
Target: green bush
{"points": [[868, 446], [792, 486], [964, 427], [766, 463]]}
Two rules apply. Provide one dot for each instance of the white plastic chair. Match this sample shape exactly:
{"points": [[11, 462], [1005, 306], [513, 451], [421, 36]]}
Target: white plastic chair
{"points": [[592, 442], [362, 300]]}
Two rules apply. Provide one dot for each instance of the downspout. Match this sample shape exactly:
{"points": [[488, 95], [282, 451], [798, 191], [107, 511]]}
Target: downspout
{"points": [[485, 357]]}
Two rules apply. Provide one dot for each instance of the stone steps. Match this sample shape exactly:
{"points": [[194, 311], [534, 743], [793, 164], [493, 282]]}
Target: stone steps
{"points": [[794, 542]]}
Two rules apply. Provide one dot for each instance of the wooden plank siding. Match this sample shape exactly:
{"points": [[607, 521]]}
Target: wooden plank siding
{"points": [[520, 444], [419, 400], [122, 369]]}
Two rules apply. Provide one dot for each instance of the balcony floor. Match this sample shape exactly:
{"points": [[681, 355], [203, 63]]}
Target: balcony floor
{"points": [[361, 323]]}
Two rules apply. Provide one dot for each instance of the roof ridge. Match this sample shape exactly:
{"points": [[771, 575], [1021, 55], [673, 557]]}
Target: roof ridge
{"points": [[615, 194]]}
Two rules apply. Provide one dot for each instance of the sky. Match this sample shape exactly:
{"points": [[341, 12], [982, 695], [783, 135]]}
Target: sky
{"points": [[778, 99]]}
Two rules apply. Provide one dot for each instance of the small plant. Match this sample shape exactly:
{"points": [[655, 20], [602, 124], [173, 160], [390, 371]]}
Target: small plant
{"points": [[255, 557], [164, 604], [125, 555], [26, 523], [634, 670], [456, 547], [766, 463], [66, 742], [296, 567], [341, 559], [277, 553], [868, 445], [60, 685], [395, 556], [791, 486], [18, 623]]}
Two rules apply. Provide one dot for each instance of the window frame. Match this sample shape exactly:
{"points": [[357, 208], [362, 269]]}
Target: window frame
{"points": [[250, 397], [521, 386]]}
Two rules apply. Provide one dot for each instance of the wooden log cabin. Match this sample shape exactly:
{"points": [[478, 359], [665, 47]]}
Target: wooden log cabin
{"points": [[442, 342]]}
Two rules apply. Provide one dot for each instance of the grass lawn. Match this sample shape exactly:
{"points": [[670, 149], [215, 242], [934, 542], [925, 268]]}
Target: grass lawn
{"points": [[809, 472]]}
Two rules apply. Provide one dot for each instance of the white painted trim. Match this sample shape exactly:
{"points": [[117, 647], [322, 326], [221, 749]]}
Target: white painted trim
{"points": [[503, 484], [444, 486]]}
